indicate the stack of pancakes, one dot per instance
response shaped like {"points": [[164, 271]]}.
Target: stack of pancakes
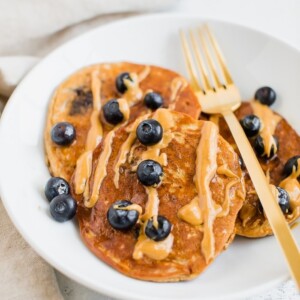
{"points": [[204, 192]]}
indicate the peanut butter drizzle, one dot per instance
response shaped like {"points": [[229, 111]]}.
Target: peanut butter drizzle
{"points": [[101, 172], [83, 171], [125, 148], [269, 123], [202, 209], [177, 85], [165, 118], [224, 170], [133, 206], [206, 167], [191, 213], [154, 250], [94, 136], [292, 186], [152, 205], [226, 205], [241, 194], [124, 108], [134, 93], [146, 246]]}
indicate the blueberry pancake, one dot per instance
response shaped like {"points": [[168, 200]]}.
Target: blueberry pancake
{"points": [[163, 197], [96, 99], [277, 146]]}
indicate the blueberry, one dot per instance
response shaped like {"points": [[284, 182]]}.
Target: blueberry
{"points": [[160, 233], [265, 95], [63, 133], [121, 219], [251, 125], [149, 132], [63, 208], [112, 113], [56, 186], [149, 172], [283, 200], [153, 100], [290, 164], [260, 148], [120, 84]]}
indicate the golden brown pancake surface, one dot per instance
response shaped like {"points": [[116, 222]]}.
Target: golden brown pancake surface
{"points": [[74, 99], [251, 221], [194, 246]]}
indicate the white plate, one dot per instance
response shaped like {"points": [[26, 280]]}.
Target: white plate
{"points": [[248, 266]]}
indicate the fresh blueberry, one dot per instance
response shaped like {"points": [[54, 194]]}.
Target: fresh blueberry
{"points": [[265, 95], [149, 132], [120, 84], [290, 165], [112, 113], [153, 100], [160, 233], [56, 186], [251, 125], [149, 172], [122, 219], [63, 208], [260, 148], [283, 200], [63, 134]]}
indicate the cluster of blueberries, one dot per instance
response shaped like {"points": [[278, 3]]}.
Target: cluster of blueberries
{"points": [[111, 109], [251, 125], [64, 133], [62, 206], [149, 173]]}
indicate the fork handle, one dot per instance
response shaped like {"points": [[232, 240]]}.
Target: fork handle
{"points": [[274, 214]]}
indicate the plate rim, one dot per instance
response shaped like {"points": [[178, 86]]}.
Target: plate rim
{"points": [[103, 289]]}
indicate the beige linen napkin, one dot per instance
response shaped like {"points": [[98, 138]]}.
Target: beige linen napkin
{"points": [[24, 275], [31, 28]]}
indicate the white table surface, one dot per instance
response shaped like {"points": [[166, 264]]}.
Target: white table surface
{"points": [[279, 18]]}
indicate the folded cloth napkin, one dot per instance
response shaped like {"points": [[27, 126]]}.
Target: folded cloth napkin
{"points": [[28, 29], [24, 275]]}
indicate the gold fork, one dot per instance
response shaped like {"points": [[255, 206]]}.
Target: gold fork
{"points": [[221, 96]]}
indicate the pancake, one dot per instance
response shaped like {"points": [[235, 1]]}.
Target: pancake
{"points": [[200, 193], [251, 221], [79, 99]]}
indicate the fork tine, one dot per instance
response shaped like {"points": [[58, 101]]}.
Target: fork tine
{"points": [[201, 66], [189, 62], [212, 67], [219, 55]]}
